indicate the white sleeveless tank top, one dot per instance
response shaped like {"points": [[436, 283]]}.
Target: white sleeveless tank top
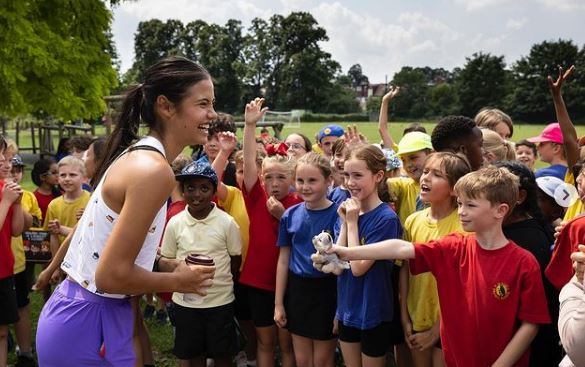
{"points": [[95, 227]]}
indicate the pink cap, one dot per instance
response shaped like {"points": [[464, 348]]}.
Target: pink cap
{"points": [[552, 132]]}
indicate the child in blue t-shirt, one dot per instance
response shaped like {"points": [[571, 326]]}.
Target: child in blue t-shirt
{"points": [[364, 293], [308, 310]]}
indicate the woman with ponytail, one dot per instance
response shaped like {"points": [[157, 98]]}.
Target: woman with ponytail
{"points": [[496, 148], [110, 254]]}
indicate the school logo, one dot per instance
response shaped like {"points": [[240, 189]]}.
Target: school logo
{"points": [[501, 291]]}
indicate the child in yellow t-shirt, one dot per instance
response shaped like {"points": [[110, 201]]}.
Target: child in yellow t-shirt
{"points": [[62, 213], [419, 298]]}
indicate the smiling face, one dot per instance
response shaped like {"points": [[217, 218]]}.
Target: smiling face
{"points": [[310, 184], [434, 182], [192, 116], [277, 179], [198, 192], [525, 155], [296, 146], [413, 163], [6, 168], [359, 180]]}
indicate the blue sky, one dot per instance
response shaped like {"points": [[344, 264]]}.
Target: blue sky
{"points": [[385, 35]]}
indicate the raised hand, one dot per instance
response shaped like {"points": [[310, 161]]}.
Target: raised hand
{"points": [[393, 92], [254, 111], [557, 85], [353, 137], [227, 141]]}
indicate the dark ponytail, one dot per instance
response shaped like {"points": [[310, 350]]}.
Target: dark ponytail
{"points": [[171, 77]]}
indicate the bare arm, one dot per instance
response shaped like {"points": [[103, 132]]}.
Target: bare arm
{"points": [[358, 267], [142, 195], [17, 225], [253, 114], [403, 295], [281, 283], [383, 119], [570, 139], [227, 143], [383, 250], [517, 345]]}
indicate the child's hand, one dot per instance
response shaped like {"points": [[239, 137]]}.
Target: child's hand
{"points": [[352, 210], [556, 86], [342, 252], [194, 278], [579, 263], [425, 339], [227, 141], [393, 92], [254, 112], [354, 138], [11, 192], [54, 226], [279, 316], [558, 230], [79, 213], [275, 207], [407, 328], [341, 210]]}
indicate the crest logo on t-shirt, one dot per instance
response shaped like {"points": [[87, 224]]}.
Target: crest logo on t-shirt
{"points": [[501, 291]]}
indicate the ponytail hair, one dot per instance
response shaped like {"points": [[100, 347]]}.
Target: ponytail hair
{"points": [[171, 77], [493, 143]]}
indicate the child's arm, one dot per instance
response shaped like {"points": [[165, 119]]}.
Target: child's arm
{"points": [[342, 237], [570, 139], [517, 345], [383, 119], [383, 250], [17, 225], [45, 276], [252, 115], [227, 144], [403, 295], [352, 211], [10, 195], [281, 282]]}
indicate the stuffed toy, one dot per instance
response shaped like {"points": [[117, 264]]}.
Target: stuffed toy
{"points": [[322, 261]]}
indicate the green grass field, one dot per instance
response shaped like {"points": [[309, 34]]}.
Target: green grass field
{"points": [[162, 335]]}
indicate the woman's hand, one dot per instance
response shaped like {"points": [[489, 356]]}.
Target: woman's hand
{"points": [[194, 278]]}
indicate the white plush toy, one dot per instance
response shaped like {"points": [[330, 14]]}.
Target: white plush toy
{"points": [[322, 261]]}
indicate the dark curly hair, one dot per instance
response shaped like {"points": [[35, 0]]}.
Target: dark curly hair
{"points": [[223, 122], [528, 184], [450, 131]]}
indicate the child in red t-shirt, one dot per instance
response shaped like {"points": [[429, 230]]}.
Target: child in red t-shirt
{"points": [[266, 201], [490, 290]]}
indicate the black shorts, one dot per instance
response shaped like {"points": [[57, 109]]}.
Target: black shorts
{"points": [[242, 303], [261, 306], [21, 284], [374, 341], [8, 305], [310, 306], [205, 331]]}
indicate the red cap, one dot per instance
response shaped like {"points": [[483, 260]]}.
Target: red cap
{"points": [[552, 132]]}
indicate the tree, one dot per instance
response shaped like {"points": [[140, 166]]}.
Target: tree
{"points": [[530, 99], [442, 100], [257, 57], [411, 101], [483, 81], [357, 76], [340, 97], [54, 58]]}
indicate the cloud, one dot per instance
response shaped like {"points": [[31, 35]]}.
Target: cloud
{"points": [[516, 24], [564, 5], [480, 4]]}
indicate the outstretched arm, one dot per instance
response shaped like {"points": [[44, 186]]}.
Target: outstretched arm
{"points": [[383, 250], [383, 119], [570, 138], [252, 115]]}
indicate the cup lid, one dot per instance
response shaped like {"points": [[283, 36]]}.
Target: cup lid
{"points": [[196, 259]]}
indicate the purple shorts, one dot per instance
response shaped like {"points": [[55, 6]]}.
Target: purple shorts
{"points": [[75, 323]]}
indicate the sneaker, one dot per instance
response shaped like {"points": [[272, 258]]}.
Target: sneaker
{"points": [[241, 360], [161, 316], [25, 361], [148, 311]]}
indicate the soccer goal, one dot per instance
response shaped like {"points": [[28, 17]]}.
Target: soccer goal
{"points": [[291, 119]]}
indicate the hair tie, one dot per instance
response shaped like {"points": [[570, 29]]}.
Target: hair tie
{"points": [[278, 149]]}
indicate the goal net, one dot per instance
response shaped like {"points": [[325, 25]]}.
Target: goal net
{"points": [[290, 119]]}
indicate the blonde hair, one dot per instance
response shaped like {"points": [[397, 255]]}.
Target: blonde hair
{"points": [[287, 161], [502, 149], [239, 157], [316, 160], [491, 117], [73, 162], [496, 185], [11, 147], [454, 165]]}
